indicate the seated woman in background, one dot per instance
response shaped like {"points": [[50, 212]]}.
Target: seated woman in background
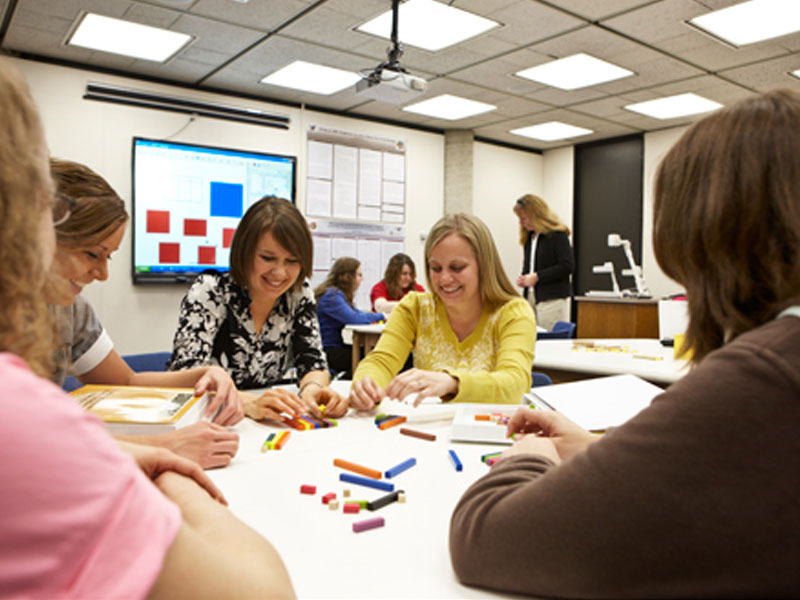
{"points": [[85, 243], [249, 321], [547, 260], [335, 310], [473, 336], [692, 497], [399, 279], [80, 519]]}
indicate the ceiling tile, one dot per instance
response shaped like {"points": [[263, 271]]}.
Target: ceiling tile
{"points": [[767, 75], [261, 15]]}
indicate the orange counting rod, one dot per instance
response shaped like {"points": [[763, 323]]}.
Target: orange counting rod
{"points": [[282, 437], [366, 471], [392, 423]]}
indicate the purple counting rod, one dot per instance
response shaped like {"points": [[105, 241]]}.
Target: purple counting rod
{"points": [[368, 524]]}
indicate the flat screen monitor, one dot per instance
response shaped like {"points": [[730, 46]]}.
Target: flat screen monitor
{"points": [[188, 199]]}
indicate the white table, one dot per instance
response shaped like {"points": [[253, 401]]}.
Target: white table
{"points": [[407, 558], [567, 360], [363, 335]]}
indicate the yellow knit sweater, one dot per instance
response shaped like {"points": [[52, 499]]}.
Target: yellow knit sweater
{"points": [[493, 364]]}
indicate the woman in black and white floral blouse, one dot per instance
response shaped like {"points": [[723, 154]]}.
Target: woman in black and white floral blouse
{"points": [[251, 319]]}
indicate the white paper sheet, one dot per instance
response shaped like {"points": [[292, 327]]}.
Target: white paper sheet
{"points": [[318, 198], [320, 160], [600, 403]]}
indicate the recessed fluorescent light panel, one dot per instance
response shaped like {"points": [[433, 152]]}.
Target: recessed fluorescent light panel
{"points": [[449, 107], [552, 131], [752, 21], [106, 34], [421, 23], [670, 107], [574, 72], [310, 77]]}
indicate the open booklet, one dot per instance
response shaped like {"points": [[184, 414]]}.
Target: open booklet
{"points": [[128, 410]]}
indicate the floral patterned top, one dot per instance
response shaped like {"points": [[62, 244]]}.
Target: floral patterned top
{"points": [[215, 328]]}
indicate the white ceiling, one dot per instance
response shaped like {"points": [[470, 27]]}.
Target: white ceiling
{"points": [[236, 44]]}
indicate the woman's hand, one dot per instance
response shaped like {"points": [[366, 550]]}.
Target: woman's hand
{"points": [[365, 394], [154, 461], [225, 395], [272, 403], [208, 444], [567, 438], [335, 404], [528, 280], [426, 384], [533, 444]]}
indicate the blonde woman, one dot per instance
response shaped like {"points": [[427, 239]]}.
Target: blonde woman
{"points": [[472, 335], [85, 243], [80, 518], [547, 263]]}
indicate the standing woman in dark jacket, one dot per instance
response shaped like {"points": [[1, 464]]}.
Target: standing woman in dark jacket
{"points": [[547, 263]]}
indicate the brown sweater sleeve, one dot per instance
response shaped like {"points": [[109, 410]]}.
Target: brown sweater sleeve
{"points": [[695, 497]]}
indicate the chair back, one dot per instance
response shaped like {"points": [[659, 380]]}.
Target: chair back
{"points": [[540, 379], [149, 361], [562, 330]]}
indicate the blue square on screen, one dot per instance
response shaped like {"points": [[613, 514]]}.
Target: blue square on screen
{"points": [[227, 199]]}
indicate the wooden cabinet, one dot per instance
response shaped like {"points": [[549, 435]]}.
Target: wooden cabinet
{"points": [[617, 317]]}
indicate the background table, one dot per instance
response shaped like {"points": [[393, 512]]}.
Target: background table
{"points": [[601, 317], [364, 336], [407, 558], [567, 360]]}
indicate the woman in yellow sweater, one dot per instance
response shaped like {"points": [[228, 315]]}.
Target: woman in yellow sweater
{"points": [[472, 335]]}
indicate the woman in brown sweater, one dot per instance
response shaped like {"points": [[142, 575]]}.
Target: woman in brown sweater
{"points": [[698, 495]]}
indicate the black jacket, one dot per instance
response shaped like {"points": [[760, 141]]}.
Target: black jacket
{"points": [[554, 264]]}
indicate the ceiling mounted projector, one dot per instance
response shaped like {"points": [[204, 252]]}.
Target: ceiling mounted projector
{"points": [[395, 87], [389, 81]]}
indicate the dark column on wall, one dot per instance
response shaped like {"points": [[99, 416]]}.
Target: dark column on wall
{"points": [[608, 199]]}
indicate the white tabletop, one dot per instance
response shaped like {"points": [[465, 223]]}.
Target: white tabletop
{"points": [[407, 558], [370, 328], [646, 358]]}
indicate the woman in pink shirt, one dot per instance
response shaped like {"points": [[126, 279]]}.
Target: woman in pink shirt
{"points": [[81, 518]]}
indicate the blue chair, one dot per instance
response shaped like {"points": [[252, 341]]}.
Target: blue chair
{"points": [[540, 379], [562, 330], [149, 361]]}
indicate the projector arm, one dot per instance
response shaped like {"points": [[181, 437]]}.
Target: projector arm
{"points": [[394, 53], [634, 271]]}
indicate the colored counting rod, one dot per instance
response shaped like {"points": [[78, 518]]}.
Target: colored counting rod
{"points": [[391, 423], [456, 462], [418, 434], [378, 485], [397, 469], [368, 524], [384, 500], [366, 471]]}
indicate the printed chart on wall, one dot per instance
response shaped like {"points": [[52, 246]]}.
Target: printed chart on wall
{"points": [[355, 202], [372, 244], [355, 177]]}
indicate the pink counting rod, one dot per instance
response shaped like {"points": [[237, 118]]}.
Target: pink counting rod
{"points": [[368, 524]]}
